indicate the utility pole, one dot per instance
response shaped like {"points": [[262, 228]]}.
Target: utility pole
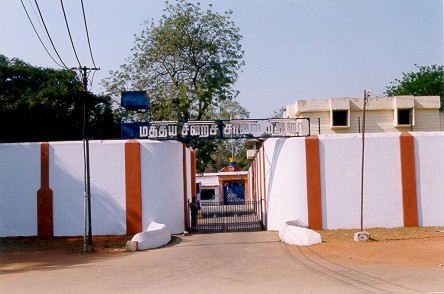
{"points": [[87, 242], [363, 235]]}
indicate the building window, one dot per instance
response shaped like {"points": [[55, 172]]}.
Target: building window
{"points": [[207, 194], [404, 116], [340, 118]]}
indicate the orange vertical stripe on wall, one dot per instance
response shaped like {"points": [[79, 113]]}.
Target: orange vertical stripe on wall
{"points": [[408, 180], [193, 173], [264, 191], [185, 186], [45, 222], [313, 173], [133, 187]]}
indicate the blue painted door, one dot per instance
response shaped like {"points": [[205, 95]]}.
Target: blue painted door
{"points": [[234, 192]]}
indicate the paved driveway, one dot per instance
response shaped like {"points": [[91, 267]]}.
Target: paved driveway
{"points": [[254, 262]]}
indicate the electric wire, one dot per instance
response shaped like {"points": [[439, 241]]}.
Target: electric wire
{"points": [[40, 23], [87, 34], [91, 80], [69, 33], [32, 24], [49, 36]]}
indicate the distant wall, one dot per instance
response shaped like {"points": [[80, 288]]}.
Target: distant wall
{"points": [[159, 192], [402, 180]]}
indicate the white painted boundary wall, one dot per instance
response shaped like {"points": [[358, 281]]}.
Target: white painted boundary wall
{"points": [[285, 181], [429, 159], [340, 158], [340, 174], [161, 178], [19, 182], [107, 171], [162, 184]]}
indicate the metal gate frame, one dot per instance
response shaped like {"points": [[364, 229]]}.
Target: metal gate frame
{"points": [[234, 216]]}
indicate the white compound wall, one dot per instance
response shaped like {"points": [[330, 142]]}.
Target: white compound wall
{"points": [[429, 159], [19, 182], [318, 184], [394, 193], [285, 181], [164, 168]]}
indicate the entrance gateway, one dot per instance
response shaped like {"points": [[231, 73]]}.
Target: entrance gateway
{"points": [[227, 217], [232, 212]]}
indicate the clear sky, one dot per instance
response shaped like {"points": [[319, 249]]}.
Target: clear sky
{"points": [[294, 49]]}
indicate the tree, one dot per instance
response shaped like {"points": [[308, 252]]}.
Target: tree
{"points": [[278, 113], [427, 81], [42, 104], [189, 61], [215, 155]]}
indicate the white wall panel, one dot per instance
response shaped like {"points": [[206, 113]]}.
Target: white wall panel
{"points": [[429, 165], [341, 158], [19, 182], [108, 211], [162, 184], [66, 182], [285, 181]]}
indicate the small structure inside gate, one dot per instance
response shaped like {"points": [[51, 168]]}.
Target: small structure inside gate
{"points": [[224, 203]]}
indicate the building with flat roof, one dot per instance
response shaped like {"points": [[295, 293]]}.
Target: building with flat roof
{"points": [[383, 114]]}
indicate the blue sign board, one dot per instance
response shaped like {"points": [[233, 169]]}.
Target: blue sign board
{"points": [[217, 129], [135, 100]]}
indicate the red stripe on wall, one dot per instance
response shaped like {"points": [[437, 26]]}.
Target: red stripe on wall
{"points": [[185, 187], [408, 180], [264, 191], [133, 187], [45, 222], [193, 173], [313, 173]]}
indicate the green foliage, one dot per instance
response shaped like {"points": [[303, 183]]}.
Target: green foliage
{"points": [[427, 81], [219, 158], [278, 113], [41, 104], [189, 61], [214, 155]]}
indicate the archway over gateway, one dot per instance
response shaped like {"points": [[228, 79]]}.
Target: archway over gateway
{"points": [[236, 207]]}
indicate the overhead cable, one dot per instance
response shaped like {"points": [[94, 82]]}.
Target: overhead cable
{"points": [[40, 23], [49, 36], [27, 14], [69, 33], [87, 34]]}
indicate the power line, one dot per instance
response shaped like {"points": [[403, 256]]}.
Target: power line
{"points": [[49, 36], [69, 33], [40, 22], [87, 34], [27, 14], [89, 44]]}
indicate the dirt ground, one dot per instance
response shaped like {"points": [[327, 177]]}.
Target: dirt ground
{"points": [[414, 247], [410, 247]]}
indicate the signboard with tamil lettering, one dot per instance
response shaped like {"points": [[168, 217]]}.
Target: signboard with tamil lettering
{"points": [[217, 129]]}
